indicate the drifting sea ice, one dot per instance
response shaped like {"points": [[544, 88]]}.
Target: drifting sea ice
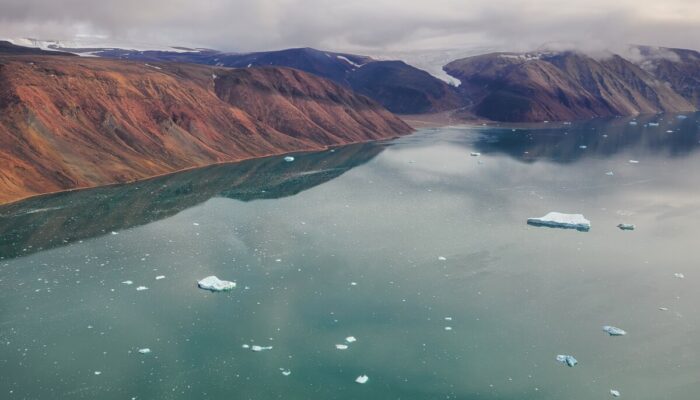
{"points": [[128, 282], [289, 159], [341, 346], [159, 277], [626, 227], [145, 350], [609, 173], [561, 220], [141, 288], [615, 393], [567, 360], [350, 339], [362, 379], [215, 284], [679, 275], [614, 331], [257, 348], [475, 154], [633, 161]]}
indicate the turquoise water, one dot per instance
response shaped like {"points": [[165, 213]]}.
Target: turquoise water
{"points": [[389, 242]]}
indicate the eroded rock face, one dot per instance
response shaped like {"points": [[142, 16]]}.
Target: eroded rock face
{"points": [[559, 86], [69, 122]]}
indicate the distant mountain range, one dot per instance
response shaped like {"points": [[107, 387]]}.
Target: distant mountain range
{"points": [[571, 85], [115, 115]]}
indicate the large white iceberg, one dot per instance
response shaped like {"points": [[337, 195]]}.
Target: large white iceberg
{"points": [[561, 220], [567, 360], [215, 284], [614, 331]]}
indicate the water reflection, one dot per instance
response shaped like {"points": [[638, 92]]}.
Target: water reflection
{"points": [[45, 222], [674, 136]]}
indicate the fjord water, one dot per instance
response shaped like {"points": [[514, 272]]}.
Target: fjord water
{"points": [[348, 242]]}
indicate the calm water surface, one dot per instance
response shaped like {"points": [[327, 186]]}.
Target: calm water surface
{"points": [[350, 242]]}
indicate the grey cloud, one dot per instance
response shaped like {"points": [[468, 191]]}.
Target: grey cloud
{"points": [[245, 25]]}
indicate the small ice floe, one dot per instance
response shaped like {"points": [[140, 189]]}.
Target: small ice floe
{"points": [[448, 328], [669, 131], [285, 372], [289, 159], [653, 124], [679, 275], [561, 220], [567, 360], [362, 379], [145, 350], [159, 277], [115, 233], [353, 283], [351, 339], [441, 258], [257, 348], [448, 318], [341, 346], [626, 227], [195, 223], [633, 123], [634, 161], [475, 154], [663, 308], [615, 393], [128, 282], [681, 116], [609, 173], [246, 346], [583, 147], [98, 372], [141, 288], [614, 331], [215, 284]]}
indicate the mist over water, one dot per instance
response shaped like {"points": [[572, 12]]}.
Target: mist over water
{"points": [[389, 242]]}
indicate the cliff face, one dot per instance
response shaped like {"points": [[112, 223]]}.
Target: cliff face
{"points": [[69, 122], [561, 86], [679, 68]]}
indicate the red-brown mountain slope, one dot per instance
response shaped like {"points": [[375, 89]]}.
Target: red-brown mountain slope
{"points": [[69, 122]]}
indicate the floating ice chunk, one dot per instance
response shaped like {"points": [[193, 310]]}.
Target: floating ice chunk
{"points": [[681, 116], [609, 173], [567, 360], [350, 339], [215, 284], [448, 328], [626, 227], [98, 372], [633, 122], [246, 346], [653, 124], [145, 350], [475, 154], [441, 258], [289, 159], [128, 282], [560, 220], [679, 275], [286, 372], [613, 331], [362, 379], [634, 162], [195, 223], [140, 288], [159, 277], [448, 318], [615, 393], [257, 348], [583, 147], [341, 346], [669, 131], [663, 308], [115, 233], [353, 283]]}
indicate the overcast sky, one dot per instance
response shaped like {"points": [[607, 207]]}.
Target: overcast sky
{"points": [[246, 25]]}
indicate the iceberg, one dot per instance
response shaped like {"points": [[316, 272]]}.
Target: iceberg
{"points": [[350, 339], [561, 220], [141, 288], [609, 173], [615, 393], [613, 331], [362, 379], [145, 351], [566, 359], [475, 154], [634, 161], [289, 159], [257, 348], [215, 284], [626, 227]]}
